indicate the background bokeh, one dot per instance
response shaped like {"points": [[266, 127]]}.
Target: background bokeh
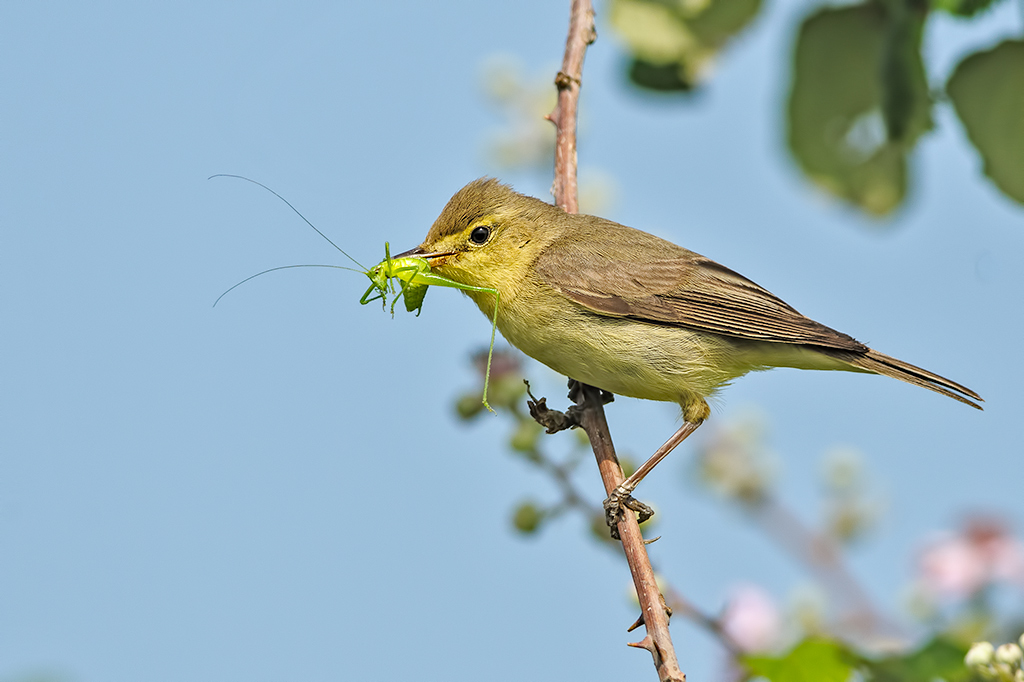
{"points": [[278, 488]]}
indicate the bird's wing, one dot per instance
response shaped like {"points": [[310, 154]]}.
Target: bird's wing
{"points": [[622, 272]]}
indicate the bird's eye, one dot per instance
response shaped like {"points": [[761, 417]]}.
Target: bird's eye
{"points": [[479, 234]]}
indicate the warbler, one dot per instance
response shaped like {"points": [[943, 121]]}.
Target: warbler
{"points": [[630, 313]]}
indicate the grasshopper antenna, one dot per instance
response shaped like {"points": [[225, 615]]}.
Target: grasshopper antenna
{"points": [[297, 212], [285, 267]]}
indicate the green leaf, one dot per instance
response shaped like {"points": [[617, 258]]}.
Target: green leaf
{"points": [[469, 406], [962, 8], [527, 518], [939, 659], [673, 42], [987, 89], [859, 101], [671, 77], [904, 85], [524, 439], [813, 660]]}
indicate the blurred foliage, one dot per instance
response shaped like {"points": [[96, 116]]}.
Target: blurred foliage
{"points": [[526, 140], [987, 90], [851, 510], [813, 660], [823, 660], [527, 517], [673, 43], [859, 101], [962, 8], [735, 464], [939, 659], [859, 98]]}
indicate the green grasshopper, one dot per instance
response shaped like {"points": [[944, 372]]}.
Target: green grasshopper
{"points": [[408, 271], [413, 274]]}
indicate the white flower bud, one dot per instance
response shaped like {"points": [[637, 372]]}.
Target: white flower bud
{"points": [[1010, 654], [1018, 676], [979, 655]]}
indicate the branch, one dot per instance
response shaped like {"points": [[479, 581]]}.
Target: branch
{"points": [[653, 610], [568, 82], [572, 498], [591, 416]]}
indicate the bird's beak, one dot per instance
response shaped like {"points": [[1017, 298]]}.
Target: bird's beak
{"points": [[429, 256]]}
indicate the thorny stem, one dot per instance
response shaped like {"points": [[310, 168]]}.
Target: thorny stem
{"points": [[652, 605], [572, 498], [658, 640]]}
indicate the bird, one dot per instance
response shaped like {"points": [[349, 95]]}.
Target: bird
{"points": [[631, 313]]}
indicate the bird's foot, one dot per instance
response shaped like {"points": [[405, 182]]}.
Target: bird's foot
{"points": [[553, 421], [576, 394], [619, 500]]}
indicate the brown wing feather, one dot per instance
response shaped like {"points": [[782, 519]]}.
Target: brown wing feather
{"points": [[622, 272], [629, 273]]}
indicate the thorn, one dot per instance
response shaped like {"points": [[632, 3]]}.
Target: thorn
{"points": [[652, 540], [638, 623], [645, 643]]}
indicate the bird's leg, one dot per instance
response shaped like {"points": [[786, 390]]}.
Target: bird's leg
{"points": [[622, 495]]}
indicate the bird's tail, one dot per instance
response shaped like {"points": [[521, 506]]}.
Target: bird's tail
{"points": [[879, 363]]}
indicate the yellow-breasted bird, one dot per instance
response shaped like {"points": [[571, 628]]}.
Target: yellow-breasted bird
{"points": [[630, 313]]}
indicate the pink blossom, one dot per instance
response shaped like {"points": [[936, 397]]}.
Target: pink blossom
{"points": [[983, 552], [751, 619]]}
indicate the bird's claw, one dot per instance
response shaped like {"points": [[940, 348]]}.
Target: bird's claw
{"points": [[553, 421], [620, 499]]}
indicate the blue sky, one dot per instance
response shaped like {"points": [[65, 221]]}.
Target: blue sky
{"points": [[277, 488]]}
